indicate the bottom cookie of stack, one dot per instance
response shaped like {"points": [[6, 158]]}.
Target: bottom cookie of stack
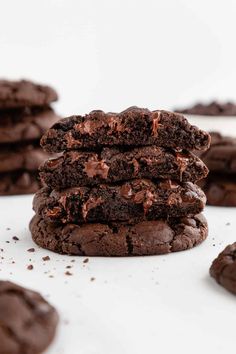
{"points": [[120, 239]]}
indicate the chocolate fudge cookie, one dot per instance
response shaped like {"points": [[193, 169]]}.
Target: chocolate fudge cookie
{"points": [[131, 201], [211, 109], [223, 269], [134, 126], [76, 168], [25, 123], [21, 156], [220, 190], [117, 239], [25, 93], [27, 322], [19, 182], [221, 157]]}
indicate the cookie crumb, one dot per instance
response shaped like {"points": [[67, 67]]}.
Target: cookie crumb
{"points": [[30, 267], [15, 238], [31, 250], [86, 260], [46, 258], [92, 279], [68, 273], [8, 228], [68, 267], [227, 224]]}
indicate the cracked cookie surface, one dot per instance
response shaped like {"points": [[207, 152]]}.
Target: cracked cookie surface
{"points": [[27, 322], [120, 239]]}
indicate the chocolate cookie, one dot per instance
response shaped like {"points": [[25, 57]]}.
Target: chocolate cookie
{"points": [[21, 156], [134, 126], [25, 93], [211, 109], [25, 123], [220, 190], [221, 156], [117, 239], [19, 182], [27, 322], [223, 269], [131, 201], [76, 168]]}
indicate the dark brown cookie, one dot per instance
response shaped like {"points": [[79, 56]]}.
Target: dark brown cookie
{"points": [[25, 124], [211, 109], [220, 190], [223, 269], [221, 156], [77, 168], [27, 322], [25, 93], [134, 126], [133, 201], [19, 182], [21, 157], [117, 239]]}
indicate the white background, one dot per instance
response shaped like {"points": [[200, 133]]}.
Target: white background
{"points": [[110, 55]]}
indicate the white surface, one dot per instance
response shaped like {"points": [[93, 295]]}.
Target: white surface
{"points": [[111, 54], [225, 125], [163, 304]]}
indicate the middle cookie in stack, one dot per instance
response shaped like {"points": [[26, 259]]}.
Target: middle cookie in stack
{"points": [[123, 186]]}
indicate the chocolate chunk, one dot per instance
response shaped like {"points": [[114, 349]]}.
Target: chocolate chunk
{"points": [[131, 201], [223, 269], [77, 168], [134, 126], [120, 239], [27, 322]]}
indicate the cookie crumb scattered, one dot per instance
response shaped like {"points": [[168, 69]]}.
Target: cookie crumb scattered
{"points": [[92, 279], [31, 250], [46, 258], [68, 273], [30, 267], [86, 260], [68, 267], [15, 238], [227, 224]]}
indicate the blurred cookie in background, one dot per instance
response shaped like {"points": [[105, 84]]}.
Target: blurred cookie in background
{"points": [[220, 184], [25, 115]]}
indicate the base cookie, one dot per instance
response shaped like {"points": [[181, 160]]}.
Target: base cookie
{"points": [[117, 239]]}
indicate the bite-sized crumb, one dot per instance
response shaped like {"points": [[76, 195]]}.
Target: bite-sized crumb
{"points": [[86, 260], [15, 238], [30, 267], [31, 250], [92, 279], [68, 273], [46, 258], [68, 267]]}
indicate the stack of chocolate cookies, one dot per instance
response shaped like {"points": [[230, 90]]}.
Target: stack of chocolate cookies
{"points": [[25, 115], [123, 186]]}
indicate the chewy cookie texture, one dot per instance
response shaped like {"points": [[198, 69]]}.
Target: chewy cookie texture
{"points": [[124, 185], [110, 165], [134, 126], [25, 114], [213, 108], [27, 322], [220, 184]]}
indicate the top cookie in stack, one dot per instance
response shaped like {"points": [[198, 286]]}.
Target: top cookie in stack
{"points": [[123, 186], [25, 114]]}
